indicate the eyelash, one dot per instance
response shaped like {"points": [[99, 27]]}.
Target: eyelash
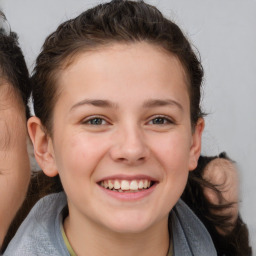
{"points": [[99, 121], [166, 120], [89, 121]]}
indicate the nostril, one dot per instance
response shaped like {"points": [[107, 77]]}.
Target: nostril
{"points": [[121, 159], [130, 160]]}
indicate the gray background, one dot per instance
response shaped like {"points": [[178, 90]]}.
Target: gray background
{"points": [[224, 31]]}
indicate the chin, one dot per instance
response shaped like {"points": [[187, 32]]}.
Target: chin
{"points": [[129, 224], [129, 229]]}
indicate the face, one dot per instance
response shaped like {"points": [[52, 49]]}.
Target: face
{"points": [[122, 141], [14, 161]]}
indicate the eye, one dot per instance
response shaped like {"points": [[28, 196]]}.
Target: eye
{"points": [[95, 121], [160, 120]]}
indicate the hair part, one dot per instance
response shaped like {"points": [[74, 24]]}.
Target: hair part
{"points": [[114, 22]]}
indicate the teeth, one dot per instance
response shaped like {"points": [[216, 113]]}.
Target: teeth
{"points": [[105, 184], [141, 184], [125, 185], [110, 184], [134, 185], [117, 185]]}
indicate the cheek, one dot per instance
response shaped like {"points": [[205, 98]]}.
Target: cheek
{"points": [[173, 155], [172, 150], [14, 159], [77, 158], [79, 155], [13, 187], [16, 174]]}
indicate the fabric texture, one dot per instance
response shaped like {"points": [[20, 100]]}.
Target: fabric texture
{"points": [[40, 233]]}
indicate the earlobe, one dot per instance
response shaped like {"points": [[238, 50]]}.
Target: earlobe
{"points": [[43, 148], [195, 149]]}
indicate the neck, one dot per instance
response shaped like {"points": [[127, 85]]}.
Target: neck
{"points": [[89, 238]]}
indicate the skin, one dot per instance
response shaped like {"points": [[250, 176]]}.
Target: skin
{"points": [[128, 141], [14, 161]]}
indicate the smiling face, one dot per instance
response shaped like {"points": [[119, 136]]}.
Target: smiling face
{"points": [[14, 161], [122, 141]]}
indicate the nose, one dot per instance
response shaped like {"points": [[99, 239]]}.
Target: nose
{"points": [[129, 147]]}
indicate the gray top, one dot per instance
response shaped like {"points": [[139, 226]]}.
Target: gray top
{"points": [[40, 233]]}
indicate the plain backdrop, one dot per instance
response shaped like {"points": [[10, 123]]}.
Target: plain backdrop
{"points": [[224, 32]]}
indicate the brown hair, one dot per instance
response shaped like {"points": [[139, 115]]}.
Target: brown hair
{"points": [[115, 22]]}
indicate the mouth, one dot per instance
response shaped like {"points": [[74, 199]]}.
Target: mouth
{"points": [[127, 186]]}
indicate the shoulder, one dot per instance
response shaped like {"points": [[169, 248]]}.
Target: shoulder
{"points": [[40, 234], [190, 237]]}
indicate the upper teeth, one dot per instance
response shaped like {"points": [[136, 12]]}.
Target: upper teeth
{"points": [[126, 184]]}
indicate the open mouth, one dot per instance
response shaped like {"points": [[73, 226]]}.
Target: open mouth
{"points": [[127, 186]]}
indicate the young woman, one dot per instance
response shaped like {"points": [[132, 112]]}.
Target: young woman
{"points": [[14, 92], [117, 101]]}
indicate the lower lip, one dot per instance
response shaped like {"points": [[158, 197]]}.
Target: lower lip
{"points": [[127, 196]]}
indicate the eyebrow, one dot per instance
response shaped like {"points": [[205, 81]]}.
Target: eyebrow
{"points": [[108, 104], [159, 103], [95, 102]]}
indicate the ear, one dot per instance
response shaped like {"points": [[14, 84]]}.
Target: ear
{"points": [[43, 147], [195, 149]]}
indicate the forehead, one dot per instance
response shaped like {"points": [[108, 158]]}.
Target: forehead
{"points": [[12, 115], [141, 61], [6, 91], [8, 94], [6, 99]]}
